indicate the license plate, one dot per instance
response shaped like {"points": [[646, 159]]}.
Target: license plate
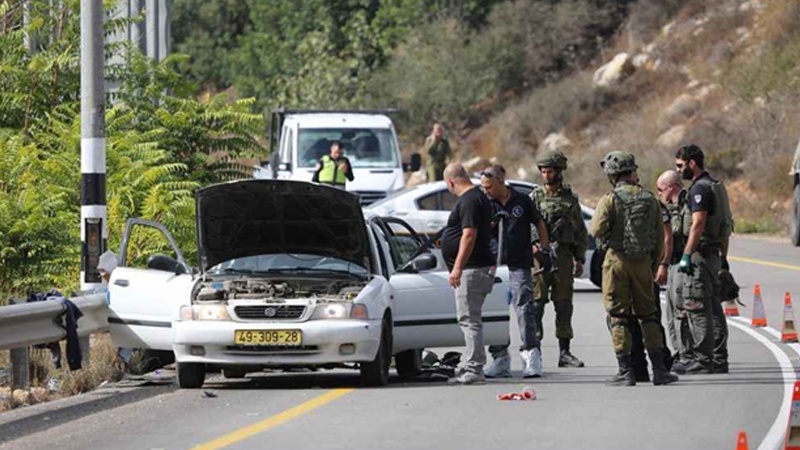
{"points": [[268, 337]]}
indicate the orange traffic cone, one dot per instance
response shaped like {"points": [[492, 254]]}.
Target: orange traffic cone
{"points": [[741, 441], [731, 308], [792, 441], [759, 318], [788, 333]]}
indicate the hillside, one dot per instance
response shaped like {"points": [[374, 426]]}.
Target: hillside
{"points": [[719, 73]]}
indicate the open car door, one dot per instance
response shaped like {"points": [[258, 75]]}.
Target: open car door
{"points": [[147, 289], [424, 307]]}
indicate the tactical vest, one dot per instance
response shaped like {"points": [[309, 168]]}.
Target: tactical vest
{"points": [[637, 209], [680, 225], [330, 173], [719, 221], [556, 211]]}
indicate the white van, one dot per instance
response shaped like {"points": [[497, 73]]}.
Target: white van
{"points": [[367, 137]]}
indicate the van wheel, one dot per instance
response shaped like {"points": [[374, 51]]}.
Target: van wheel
{"points": [[376, 372], [796, 216], [191, 375], [408, 362], [596, 267]]}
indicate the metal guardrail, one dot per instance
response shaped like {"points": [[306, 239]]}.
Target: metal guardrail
{"points": [[26, 324]]}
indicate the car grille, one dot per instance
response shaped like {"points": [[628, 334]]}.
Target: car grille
{"points": [[369, 197], [273, 348], [270, 312]]}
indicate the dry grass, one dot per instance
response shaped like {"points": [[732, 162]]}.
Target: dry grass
{"points": [[104, 366]]}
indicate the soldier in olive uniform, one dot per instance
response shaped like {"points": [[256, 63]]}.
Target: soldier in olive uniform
{"points": [[562, 215], [628, 225], [438, 151], [707, 226]]}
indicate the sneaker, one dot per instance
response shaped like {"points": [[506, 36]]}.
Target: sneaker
{"points": [[500, 367], [680, 366], [532, 363], [468, 378], [567, 359]]}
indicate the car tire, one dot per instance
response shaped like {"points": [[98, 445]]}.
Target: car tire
{"points": [[230, 372], [191, 375], [408, 362], [376, 372], [596, 267], [796, 216]]}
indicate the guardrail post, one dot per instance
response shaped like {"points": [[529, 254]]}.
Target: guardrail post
{"points": [[20, 368], [85, 351]]}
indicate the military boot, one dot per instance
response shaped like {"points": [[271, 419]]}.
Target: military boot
{"points": [[660, 373], [625, 375]]}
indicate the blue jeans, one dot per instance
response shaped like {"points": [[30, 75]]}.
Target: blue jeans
{"points": [[521, 290]]}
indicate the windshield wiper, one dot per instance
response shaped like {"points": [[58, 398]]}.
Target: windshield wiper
{"points": [[236, 271], [315, 269]]}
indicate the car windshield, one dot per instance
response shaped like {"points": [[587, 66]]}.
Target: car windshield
{"points": [[287, 262], [364, 147]]}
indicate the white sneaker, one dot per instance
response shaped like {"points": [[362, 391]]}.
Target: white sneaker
{"points": [[500, 367], [531, 363]]}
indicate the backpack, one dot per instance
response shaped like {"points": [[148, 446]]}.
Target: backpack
{"points": [[719, 224], [638, 215]]}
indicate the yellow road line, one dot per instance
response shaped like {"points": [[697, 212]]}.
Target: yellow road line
{"points": [[763, 263], [273, 421]]}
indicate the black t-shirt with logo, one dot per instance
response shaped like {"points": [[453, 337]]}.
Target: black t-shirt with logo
{"points": [[472, 210], [700, 195], [517, 245]]}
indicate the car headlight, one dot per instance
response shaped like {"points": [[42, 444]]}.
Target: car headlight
{"points": [[340, 311], [205, 312]]}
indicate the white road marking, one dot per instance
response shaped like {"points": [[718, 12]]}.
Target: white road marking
{"points": [[775, 435]]}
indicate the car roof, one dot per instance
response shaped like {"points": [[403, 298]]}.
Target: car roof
{"points": [[340, 120]]}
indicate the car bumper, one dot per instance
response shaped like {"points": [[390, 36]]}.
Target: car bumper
{"points": [[322, 340]]}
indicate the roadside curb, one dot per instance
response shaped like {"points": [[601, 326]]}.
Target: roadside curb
{"points": [[20, 422]]}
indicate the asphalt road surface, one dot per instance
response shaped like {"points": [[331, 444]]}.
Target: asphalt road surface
{"points": [[573, 409]]}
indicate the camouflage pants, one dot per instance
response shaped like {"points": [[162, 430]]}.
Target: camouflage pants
{"points": [[628, 290], [699, 295], [556, 287], [436, 171]]}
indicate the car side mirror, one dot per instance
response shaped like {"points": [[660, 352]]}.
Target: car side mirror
{"points": [[415, 164], [166, 264], [421, 263]]}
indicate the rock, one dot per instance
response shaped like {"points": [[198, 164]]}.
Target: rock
{"points": [[555, 141], [650, 48], [667, 29], [752, 5], [640, 60], [707, 90], [692, 84], [21, 397], [672, 138], [683, 106], [720, 54], [522, 174], [760, 101], [39, 394], [614, 71], [476, 164]]}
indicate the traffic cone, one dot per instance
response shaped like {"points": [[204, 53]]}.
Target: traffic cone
{"points": [[792, 440], [741, 441], [759, 318], [788, 333], [731, 308]]}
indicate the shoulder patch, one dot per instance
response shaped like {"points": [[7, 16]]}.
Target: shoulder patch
{"points": [[698, 198], [517, 211]]}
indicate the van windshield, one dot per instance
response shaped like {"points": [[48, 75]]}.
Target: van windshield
{"points": [[364, 147]]}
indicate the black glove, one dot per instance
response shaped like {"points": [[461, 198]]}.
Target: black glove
{"points": [[545, 260]]}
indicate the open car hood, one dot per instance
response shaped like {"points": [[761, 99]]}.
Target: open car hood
{"points": [[257, 217]]}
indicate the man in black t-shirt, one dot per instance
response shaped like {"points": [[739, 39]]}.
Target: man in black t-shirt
{"points": [[466, 249], [519, 216]]}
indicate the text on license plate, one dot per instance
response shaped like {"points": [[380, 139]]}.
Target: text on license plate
{"points": [[268, 337]]}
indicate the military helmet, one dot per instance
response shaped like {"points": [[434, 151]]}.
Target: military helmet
{"points": [[618, 162], [554, 159]]}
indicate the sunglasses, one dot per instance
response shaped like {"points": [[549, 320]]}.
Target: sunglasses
{"points": [[487, 174]]}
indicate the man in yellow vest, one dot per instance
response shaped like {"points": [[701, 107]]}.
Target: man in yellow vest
{"points": [[334, 169]]}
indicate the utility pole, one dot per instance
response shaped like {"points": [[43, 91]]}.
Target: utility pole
{"points": [[94, 231]]}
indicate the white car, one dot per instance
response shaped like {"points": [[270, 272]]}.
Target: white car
{"points": [[291, 274], [426, 207]]}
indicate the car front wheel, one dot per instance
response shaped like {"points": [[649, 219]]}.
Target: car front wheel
{"points": [[796, 216], [191, 375], [376, 372]]}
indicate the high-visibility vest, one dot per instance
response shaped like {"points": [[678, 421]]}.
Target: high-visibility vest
{"points": [[330, 173]]}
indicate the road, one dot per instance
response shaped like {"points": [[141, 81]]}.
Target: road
{"points": [[574, 408]]}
